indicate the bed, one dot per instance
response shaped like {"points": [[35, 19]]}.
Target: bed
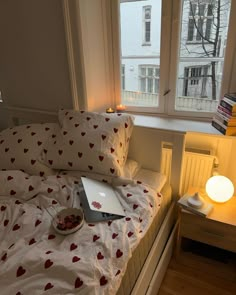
{"points": [[126, 256]]}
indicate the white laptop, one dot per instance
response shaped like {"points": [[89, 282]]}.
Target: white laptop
{"points": [[99, 201]]}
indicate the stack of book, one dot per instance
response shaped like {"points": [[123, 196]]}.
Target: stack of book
{"points": [[224, 119]]}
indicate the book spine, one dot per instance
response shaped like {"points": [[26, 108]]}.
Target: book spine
{"points": [[224, 120], [231, 96], [226, 111], [226, 105], [218, 127]]}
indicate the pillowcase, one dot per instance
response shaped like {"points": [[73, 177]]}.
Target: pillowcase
{"points": [[18, 184], [130, 169], [21, 146], [156, 180], [88, 141]]}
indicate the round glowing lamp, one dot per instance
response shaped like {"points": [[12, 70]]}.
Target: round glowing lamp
{"points": [[219, 188]]}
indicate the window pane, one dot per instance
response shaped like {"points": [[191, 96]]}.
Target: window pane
{"points": [[200, 63], [140, 25]]}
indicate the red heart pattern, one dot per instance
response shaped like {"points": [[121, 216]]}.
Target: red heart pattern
{"points": [[48, 263], [78, 283], [20, 271], [48, 286]]}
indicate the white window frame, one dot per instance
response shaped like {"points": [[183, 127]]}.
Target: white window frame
{"points": [[145, 22], [170, 34]]}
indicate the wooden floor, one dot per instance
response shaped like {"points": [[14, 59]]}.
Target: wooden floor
{"points": [[193, 274]]}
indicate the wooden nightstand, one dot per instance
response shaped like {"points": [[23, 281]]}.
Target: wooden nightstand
{"points": [[218, 229]]}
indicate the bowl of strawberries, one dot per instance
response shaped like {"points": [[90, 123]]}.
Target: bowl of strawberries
{"points": [[68, 221]]}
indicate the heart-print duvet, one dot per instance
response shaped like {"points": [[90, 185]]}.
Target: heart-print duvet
{"points": [[34, 259]]}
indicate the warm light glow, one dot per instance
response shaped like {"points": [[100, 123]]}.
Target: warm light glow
{"points": [[120, 107], [219, 188], [109, 110]]}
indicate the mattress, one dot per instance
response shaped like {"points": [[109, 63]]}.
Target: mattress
{"points": [[141, 252]]}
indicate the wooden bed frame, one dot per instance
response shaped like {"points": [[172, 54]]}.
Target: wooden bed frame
{"points": [[145, 147]]}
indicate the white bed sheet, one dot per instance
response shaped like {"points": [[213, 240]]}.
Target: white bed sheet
{"points": [[34, 258]]}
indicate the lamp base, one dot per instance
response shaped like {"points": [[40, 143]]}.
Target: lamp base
{"points": [[196, 201]]}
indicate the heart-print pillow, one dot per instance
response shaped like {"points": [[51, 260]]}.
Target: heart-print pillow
{"points": [[21, 146], [88, 141]]}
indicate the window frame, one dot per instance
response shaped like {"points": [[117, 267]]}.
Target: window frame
{"points": [[170, 33]]}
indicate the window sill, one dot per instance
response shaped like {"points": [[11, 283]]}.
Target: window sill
{"points": [[176, 125]]}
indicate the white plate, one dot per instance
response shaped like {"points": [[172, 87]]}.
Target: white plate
{"points": [[62, 214]]}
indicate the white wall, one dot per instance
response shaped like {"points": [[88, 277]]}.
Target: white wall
{"points": [[33, 57]]}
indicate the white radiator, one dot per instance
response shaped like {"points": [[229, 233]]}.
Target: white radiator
{"points": [[197, 167]]}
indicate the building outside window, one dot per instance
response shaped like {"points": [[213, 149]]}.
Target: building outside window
{"points": [[200, 20], [195, 76], [186, 67], [149, 78]]}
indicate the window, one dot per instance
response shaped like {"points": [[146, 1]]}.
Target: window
{"points": [[149, 78], [146, 25], [195, 76], [200, 20], [182, 71]]}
